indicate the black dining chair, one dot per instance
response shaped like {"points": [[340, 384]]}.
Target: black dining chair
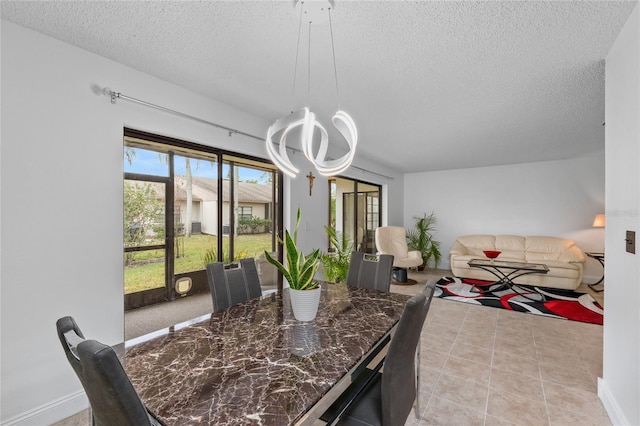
{"points": [[111, 395], [370, 271], [232, 286], [388, 396]]}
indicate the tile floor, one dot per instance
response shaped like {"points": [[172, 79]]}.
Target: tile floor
{"points": [[487, 366]]}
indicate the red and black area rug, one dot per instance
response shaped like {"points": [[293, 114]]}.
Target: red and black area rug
{"points": [[565, 304]]}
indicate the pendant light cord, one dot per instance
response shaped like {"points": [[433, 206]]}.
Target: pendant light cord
{"points": [[333, 50], [309, 69], [295, 65]]}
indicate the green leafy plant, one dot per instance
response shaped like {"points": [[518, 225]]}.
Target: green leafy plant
{"points": [[336, 262], [253, 225], [300, 269], [211, 255], [142, 212], [421, 239]]}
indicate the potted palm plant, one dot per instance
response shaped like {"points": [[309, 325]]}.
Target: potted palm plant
{"points": [[299, 272], [421, 239], [336, 263]]}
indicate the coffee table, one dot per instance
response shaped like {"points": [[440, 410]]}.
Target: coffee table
{"points": [[600, 258], [507, 272]]}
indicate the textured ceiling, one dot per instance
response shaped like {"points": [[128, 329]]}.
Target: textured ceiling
{"points": [[431, 85]]}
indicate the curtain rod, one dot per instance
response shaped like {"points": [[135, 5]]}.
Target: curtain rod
{"points": [[117, 95]]}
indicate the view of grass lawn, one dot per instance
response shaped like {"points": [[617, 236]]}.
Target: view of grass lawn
{"points": [[148, 270]]}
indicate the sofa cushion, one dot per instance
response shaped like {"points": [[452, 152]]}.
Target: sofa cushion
{"points": [[475, 244], [511, 247], [545, 248]]}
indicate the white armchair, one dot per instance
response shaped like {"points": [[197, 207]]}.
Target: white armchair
{"points": [[393, 240]]}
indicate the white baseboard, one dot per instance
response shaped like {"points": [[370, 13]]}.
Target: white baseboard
{"points": [[52, 412], [610, 404]]}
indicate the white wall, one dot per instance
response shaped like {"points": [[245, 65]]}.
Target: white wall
{"points": [[60, 140], [620, 386], [554, 198]]}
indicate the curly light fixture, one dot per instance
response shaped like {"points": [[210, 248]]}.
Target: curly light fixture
{"points": [[306, 120]]}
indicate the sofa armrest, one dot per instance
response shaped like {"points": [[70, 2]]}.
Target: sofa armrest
{"points": [[573, 255], [458, 249]]}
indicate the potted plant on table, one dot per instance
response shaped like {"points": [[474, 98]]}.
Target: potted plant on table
{"points": [[304, 291], [421, 239]]}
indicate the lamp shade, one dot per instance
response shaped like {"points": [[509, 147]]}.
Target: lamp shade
{"points": [[598, 222]]}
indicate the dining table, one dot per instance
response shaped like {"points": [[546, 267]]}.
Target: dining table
{"points": [[254, 363]]}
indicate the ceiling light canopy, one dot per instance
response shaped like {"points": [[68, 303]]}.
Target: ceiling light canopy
{"points": [[304, 122]]}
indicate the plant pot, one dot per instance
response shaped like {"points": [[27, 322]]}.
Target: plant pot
{"points": [[304, 303]]}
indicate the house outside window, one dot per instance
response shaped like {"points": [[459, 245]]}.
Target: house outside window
{"points": [[245, 213]]}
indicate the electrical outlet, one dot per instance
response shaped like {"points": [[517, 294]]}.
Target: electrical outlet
{"points": [[631, 242]]}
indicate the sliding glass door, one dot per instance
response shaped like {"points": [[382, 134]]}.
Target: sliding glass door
{"points": [[186, 206], [355, 211]]}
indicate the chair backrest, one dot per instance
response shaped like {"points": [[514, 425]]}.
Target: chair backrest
{"points": [[113, 399], [370, 271], [70, 335], [399, 376], [232, 286], [392, 240]]}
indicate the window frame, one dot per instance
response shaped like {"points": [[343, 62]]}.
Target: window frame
{"points": [[172, 147]]}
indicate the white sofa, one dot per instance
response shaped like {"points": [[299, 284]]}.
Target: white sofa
{"points": [[564, 259]]}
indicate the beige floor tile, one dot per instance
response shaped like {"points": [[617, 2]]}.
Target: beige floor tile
{"points": [[430, 358], [470, 352], [480, 314], [464, 392], [83, 418], [478, 339], [445, 323], [594, 367], [554, 330], [412, 420], [438, 338], [470, 370], [524, 366], [496, 421], [574, 400], [519, 349], [428, 381], [473, 326], [562, 417], [577, 377], [554, 355], [444, 412], [517, 384], [452, 310], [517, 409], [589, 352], [555, 342], [514, 333]]}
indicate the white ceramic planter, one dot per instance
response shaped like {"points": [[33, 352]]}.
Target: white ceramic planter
{"points": [[305, 303]]}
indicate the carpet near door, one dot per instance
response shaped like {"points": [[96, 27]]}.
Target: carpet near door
{"points": [[565, 304]]}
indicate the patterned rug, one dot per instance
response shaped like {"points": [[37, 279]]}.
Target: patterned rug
{"points": [[564, 304]]}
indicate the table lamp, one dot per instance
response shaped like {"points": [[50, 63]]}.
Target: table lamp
{"points": [[598, 222]]}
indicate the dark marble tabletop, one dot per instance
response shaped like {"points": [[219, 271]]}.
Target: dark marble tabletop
{"points": [[254, 363]]}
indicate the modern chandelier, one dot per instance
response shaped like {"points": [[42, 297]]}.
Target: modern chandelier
{"points": [[305, 121]]}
